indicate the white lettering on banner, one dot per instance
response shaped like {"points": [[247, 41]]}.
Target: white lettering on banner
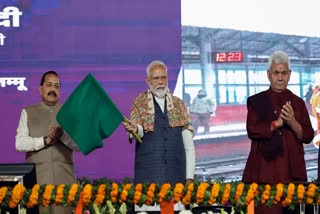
{"points": [[3, 82], [19, 81], [10, 12], [2, 37]]}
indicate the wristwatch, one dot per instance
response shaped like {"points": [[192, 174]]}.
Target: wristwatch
{"points": [[45, 141]]}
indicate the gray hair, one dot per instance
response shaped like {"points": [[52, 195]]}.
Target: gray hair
{"points": [[156, 63], [278, 57]]}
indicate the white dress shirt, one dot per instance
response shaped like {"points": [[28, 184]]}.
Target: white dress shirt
{"points": [[25, 143]]}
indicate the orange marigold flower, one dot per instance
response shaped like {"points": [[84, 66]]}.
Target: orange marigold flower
{"points": [[150, 194], [16, 195], [266, 193], [310, 193], [226, 194], [87, 194], [59, 194], [187, 198], [165, 187], [178, 192], [3, 192], [290, 192], [46, 196], [214, 193], [114, 192], [279, 193], [34, 196], [72, 193], [239, 191], [252, 192], [100, 195], [300, 193], [201, 191], [124, 194]]}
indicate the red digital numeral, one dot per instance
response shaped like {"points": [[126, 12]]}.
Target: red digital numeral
{"points": [[221, 57], [231, 57], [238, 57]]}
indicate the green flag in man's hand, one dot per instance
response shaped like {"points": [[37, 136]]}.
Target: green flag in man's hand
{"points": [[89, 115]]}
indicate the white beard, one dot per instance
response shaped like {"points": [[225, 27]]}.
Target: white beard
{"points": [[160, 93]]}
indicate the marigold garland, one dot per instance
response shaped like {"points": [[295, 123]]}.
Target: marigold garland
{"points": [[266, 194], [251, 192], [114, 192], [201, 191], [187, 198], [178, 192], [72, 194], [137, 193], [163, 192], [290, 192], [150, 194], [17, 195], [3, 192], [33, 198], [98, 196], [239, 191], [87, 194], [214, 193], [124, 194], [300, 193], [59, 194], [46, 197], [279, 193], [310, 193], [226, 194]]}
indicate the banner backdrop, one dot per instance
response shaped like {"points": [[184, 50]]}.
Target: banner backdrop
{"points": [[112, 39]]}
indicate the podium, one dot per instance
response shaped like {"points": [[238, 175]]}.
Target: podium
{"points": [[18, 173]]}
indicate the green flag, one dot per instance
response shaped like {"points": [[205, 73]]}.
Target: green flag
{"points": [[89, 115]]}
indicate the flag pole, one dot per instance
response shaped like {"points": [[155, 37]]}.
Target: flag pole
{"points": [[136, 136]]}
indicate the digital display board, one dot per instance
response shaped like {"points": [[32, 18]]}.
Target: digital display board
{"points": [[224, 57]]}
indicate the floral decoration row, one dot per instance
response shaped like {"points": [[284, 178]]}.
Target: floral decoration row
{"points": [[101, 193]]}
